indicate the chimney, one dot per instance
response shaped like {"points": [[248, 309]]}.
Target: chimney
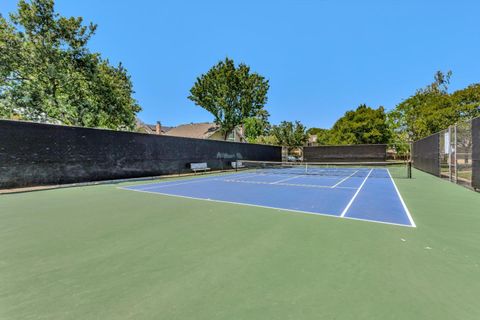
{"points": [[158, 128]]}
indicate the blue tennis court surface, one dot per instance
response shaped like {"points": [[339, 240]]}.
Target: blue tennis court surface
{"points": [[370, 196]]}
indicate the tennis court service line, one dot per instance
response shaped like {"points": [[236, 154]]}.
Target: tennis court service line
{"points": [[283, 180], [284, 184], [344, 212], [344, 179], [164, 184], [243, 175]]}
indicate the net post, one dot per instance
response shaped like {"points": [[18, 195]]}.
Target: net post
{"points": [[409, 169]]}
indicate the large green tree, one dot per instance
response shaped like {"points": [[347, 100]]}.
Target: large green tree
{"points": [[258, 126], [48, 74], [323, 135], [364, 125], [290, 134], [268, 139], [231, 94], [433, 108]]}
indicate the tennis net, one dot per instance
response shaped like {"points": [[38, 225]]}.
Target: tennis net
{"points": [[387, 169]]}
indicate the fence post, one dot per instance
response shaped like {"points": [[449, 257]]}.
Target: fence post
{"points": [[455, 149], [410, 154], [440, 152], [450, 153]]}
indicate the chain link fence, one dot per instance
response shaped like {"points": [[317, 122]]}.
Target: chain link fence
{"points": [[451, 153]]}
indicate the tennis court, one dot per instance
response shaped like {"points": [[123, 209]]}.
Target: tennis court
{"points": [[107, 252], [351, 191]]}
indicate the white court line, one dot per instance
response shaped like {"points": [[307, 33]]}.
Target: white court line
{"points": [[403, 202], [355, 195], [249, 175], [284, 184], [334, 186], [242, 176], [291, 178], [266, 207], [163, 184], [187, 181]]}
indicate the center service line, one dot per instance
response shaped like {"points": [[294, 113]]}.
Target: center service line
{"points": [[343, 179], [355, 195]]}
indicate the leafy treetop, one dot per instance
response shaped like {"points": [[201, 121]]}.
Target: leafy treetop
{"points": [[48, 74], [231, 94], [290, 134], [432, 109], [361, 126]]}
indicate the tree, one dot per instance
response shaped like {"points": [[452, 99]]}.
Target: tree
{"points": [[231, 94], [426, 112], [467, 102], [432, 109], [268, 139], [361, 126], [48, 74], [323, 135], [257, 126], [289, 134]]}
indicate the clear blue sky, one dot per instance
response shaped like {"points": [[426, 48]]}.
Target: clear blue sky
{"points": [[322, 57]]}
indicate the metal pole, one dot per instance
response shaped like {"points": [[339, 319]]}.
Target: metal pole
{"points": [[410, 154], [450, 153], [440, 152], [455, 154]]}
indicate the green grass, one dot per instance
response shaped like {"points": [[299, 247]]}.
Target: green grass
{"points": [[99, 252]]}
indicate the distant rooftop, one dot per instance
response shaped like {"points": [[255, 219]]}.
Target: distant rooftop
{"points": [[150, 128], [194, 130]]}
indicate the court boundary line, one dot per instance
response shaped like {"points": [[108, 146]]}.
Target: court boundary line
{"points": [[243, 175], [410, 218], [286, 179], [193, 179], [285, 184], [343, 180], [344, 212], [162, 184], [266, 207]]}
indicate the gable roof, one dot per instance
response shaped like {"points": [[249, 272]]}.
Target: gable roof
{"points": [[149, 128], [163, 129], [194, 130]]}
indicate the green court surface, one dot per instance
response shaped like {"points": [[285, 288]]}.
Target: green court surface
{"points": [[100, 252]]}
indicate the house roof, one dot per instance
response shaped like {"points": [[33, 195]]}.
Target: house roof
{"points": [[149, 128], [194, 130], [163, 129]]}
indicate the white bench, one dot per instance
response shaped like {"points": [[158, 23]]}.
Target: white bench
{"points": [[199, 166], [237, 165]]}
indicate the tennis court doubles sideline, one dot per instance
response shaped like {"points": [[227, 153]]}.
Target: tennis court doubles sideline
{"points": [[353, 196]]}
